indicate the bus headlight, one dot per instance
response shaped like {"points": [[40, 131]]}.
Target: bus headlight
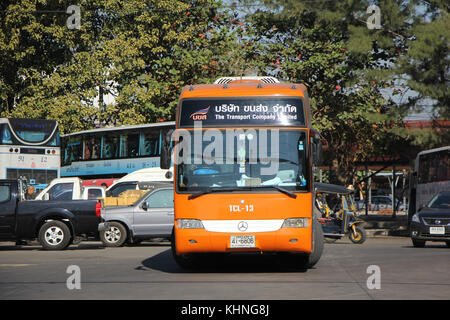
{"points": [[415, 218], [296, 223], [189, 224]]}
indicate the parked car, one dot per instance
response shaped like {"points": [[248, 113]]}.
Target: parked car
{"points": [[149, 217], [380, 203], [70, 189], [432, 223], [56, 224], [131, 181]]}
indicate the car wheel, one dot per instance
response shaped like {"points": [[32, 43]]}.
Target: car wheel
{"points": [[447, 243], [115, 235], [418, 243], [54, 235], [360, 236]]}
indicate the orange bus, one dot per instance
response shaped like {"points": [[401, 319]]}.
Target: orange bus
{"points": [[243, 157]]}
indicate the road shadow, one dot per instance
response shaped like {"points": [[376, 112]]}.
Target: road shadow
{"points": [[35, 246], [150, 244], [84, 245], [217, 263], [429, 246]]}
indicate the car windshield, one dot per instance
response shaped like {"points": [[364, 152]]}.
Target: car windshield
{"points": [[440, 201], [247, 162]]}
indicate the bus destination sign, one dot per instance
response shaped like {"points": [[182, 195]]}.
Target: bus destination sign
{"points": [[254, 112]]}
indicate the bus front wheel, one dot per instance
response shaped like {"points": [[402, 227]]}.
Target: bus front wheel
{"points": [[307, 261], [186, 261]]}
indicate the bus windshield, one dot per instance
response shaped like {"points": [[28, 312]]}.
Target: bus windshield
{"points": [[33, 130], [256, 159]]}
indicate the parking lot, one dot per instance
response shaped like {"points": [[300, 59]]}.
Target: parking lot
{"points": [[148, 271]]}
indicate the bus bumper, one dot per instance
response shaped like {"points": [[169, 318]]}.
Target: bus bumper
{"points": [[282, 240]]}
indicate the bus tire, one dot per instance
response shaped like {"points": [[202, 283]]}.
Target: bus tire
{"points": [[54, 235], [115, 235], [185, 261], [306, 261], [447, 243], [311, 259]]}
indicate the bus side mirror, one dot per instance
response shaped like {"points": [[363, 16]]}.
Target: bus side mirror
{"points": [[166, 151]]}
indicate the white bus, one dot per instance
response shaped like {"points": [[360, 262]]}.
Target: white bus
{"points": [[112, 152], [30, 148], [431, 175]]}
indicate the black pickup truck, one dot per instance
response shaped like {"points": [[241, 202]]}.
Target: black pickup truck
{"points": [[56, 224]]}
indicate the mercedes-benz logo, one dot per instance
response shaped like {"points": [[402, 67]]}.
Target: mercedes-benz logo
{"points": [[242, 226]]}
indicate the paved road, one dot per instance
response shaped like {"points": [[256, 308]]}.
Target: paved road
{"points": [[149, 272]]}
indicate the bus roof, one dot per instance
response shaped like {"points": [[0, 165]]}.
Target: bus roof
{"points": [[244, 89], [130, 127], [433, 150]]}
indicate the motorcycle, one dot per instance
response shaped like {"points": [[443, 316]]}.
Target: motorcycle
{"points": [[337, 212]]}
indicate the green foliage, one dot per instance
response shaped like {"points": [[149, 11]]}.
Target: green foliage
{"points": [[141, 52], [144, 52]]}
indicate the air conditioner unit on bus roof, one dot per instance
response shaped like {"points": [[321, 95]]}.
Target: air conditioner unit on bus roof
{"points": [[225, 80]]}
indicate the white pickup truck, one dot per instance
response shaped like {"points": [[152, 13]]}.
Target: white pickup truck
{"points": [[70, 189], [138, 180]]}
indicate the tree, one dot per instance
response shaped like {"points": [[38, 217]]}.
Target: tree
{"points": [[356, 75], [141, 52], [304, 47]]}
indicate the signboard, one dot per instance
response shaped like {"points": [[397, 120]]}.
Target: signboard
{"points": [[108, 167], [245, 112]]}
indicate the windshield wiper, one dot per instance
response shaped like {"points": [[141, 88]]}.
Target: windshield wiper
{"points": [[212, 190], [282, 190]]}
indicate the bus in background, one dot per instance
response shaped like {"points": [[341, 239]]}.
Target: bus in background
{"points": [[431, 175], [29, 148], [243, 157], [99, 155]]}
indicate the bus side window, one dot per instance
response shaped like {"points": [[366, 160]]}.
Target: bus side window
{"points": [[92, 148], [130, 145], [423, 169], [5, 134], [150, 144], [110, 147], [87, 150]]}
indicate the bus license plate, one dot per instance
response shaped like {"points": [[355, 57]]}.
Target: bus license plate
{"points": [[437, 230], [242, 241]]}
